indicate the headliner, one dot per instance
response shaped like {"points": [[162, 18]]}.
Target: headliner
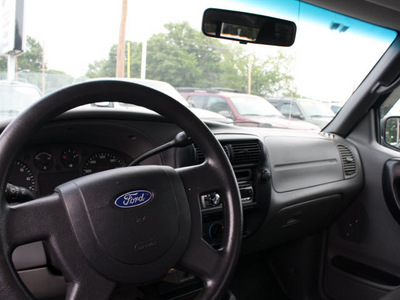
{"points": [[384, 13]]}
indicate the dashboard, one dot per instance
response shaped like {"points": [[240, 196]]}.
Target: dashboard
{"points": [[291, 183]]}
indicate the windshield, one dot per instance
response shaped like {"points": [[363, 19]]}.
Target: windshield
{"points": [[254, 106], [84, 40], [316, 109], [15, 98]]}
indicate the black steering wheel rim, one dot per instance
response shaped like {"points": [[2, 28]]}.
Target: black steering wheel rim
{"points": [[21, 129]]}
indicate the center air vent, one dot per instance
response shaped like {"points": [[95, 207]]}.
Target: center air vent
{"points": [[245, 152], [239, 152], [348, 161]]}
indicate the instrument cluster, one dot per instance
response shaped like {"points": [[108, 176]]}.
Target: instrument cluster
{"points": [[43, 167]]}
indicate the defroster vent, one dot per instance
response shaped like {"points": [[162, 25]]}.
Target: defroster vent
{"points": [[348, 161]]}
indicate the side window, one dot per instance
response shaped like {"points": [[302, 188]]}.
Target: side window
{"points": [[285, 109], [288, 109], [389, 115]]}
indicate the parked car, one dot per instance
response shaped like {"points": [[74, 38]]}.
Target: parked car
{"points": [[232, 213], [15, 96], [166, 88], [309, 110], [244, 109]]}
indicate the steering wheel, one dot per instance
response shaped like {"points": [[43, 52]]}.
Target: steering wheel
{"points": [[92, 236]]}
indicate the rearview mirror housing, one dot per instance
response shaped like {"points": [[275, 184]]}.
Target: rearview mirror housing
{"points": [[248, 28]]}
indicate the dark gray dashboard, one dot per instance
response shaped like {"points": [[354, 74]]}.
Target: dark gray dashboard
{"points": [[291, 183], [314, 177]]}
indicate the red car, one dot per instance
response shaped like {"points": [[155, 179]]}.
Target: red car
{"points": [[243, 109]]}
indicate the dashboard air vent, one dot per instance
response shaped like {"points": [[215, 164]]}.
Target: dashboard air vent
{"points": [[239, 152], [200, 155], [348, 161], [245, 152]]}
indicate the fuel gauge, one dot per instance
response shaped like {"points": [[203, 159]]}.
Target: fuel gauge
{"points": [[70, 158]]}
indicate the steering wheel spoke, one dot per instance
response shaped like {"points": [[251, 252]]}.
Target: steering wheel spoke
{"points": [[204, 267], [200, 179], [34, 220], [200, 258], [90, 285]]}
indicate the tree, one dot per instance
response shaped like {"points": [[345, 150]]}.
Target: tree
{"points": [[271, 77], [174, 64], [234, 68], [31, 59], [104, 67], [183, 56], [201, 56]]}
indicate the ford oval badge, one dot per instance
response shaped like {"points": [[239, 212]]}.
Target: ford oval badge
{"points": [[133, 199]]}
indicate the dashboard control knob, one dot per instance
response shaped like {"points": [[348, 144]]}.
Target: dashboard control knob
{"points": [[216, 199], [210, 200], [265, 175]]}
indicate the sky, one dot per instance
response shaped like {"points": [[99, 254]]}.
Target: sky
{"points": [[75, 33], [94, 27]]}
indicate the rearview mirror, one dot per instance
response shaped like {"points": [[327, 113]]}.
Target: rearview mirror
{"points": [[248, 28]]}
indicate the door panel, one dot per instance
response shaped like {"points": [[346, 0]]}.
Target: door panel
{"points": [[391, 186], [362, 258]]}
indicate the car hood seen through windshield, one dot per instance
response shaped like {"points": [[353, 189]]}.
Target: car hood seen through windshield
{"points": [[277, 122]]}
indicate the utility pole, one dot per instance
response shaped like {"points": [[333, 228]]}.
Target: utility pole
{"points": [[249, 68], [121, 44], [144, 60], [11, 65], [128, 60]]}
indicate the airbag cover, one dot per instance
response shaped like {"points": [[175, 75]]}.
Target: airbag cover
{"points": [[154, 224]]}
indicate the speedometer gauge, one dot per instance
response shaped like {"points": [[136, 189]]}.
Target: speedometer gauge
{"points": [[22, 176], [101, 162]]}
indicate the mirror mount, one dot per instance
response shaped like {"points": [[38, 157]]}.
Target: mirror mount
{"points": [[248, 28]]}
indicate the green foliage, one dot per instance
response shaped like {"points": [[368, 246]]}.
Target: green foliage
{"points": [[30, 60], [234, 68], [189, 52], [184, 57], [30, 69], [271, 77], [104, 67], [136, 58], [174, 64]]}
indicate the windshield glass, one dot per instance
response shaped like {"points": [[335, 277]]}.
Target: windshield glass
{"points": [[84, 40], [315, 109], [254, 106], [14, 98]]}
